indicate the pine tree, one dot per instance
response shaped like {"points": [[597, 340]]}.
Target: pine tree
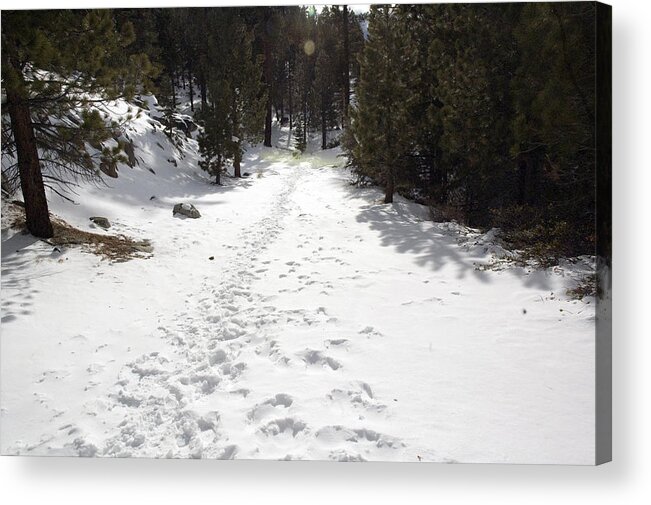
{"points": [[216, 134], [304, 81], [57, 68], [473, 62], [326, 71], [379, 136], [346, 63], [171, 57], [235, 114], [300, 134], [553, 122], [247, 110]]}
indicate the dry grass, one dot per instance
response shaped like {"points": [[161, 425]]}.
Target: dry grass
{"points": [[587, 286], [115, 248]]}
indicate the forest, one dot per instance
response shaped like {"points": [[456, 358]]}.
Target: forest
{"points": [[485, 113], [343, 233]]}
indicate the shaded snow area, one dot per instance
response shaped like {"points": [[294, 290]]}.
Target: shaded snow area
{"points": [[327, 326]]}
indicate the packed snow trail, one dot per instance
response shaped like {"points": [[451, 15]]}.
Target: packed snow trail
{"points": [[193, 403], [327, 326]]}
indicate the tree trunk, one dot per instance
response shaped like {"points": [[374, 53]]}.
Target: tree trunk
{"points": [[202, 88], [289, 94], [324, 138], [31, 179], [268, 77], [346, 68], [389, 188], [267, 125], [173, 79], [235, 125], [291, 111], [218, 171], [522, 182], [191, 87], [236, 164], [305, 118]]}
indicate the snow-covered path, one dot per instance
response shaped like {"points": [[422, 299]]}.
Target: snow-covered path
{"points": [[328, 326]]}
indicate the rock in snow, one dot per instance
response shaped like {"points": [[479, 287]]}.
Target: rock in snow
{"points": [[186, 209], [102, 222]]}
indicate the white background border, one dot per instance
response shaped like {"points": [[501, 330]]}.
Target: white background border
{"points": [[626, 480]]}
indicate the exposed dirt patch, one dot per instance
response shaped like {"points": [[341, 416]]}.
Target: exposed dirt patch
{"points": [[115, 248]]}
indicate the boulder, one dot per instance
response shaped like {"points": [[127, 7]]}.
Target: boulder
{"points": [[181, 122], [187, 210], [102, 222]]}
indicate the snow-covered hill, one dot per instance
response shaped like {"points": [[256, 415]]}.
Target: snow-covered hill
{"points": [[298, 318]]}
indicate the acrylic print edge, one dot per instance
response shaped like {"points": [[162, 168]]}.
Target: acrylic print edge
{"points": [[603, 324]]}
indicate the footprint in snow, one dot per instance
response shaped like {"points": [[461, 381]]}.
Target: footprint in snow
{"points": [[286, 425], [336, 342], [272, 406], [312, 357], [360, 396], [337, 434], [369, 331]]}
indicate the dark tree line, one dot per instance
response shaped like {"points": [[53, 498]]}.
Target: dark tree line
{"points": [[243, 66], [251, 67], [485, 111]]}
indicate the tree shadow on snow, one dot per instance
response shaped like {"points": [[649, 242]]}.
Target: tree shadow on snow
{"points": [[404, 226], [17, 276], [154, 175]]}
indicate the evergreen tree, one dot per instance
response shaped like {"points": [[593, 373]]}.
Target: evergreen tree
{"points": [[236, 112], [378, 138], [345, 61], [474, 61], [300, 134], [495, 115], [304, 82], [247, 100], [326, 71], [57, 67], [216, 134], [554, 121]]}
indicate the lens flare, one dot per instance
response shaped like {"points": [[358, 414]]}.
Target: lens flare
{"points": [[308, 47]]}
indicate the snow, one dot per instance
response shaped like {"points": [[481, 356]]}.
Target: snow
{"points": [[327, 326]]}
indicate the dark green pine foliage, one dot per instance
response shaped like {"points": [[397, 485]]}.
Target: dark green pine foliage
{"points": [[300, 134], [215, 136], [58, 68], [424, 175], [304, 82], [169, 40], [235, 114], [289, 49], [326, 73], [247, 98], [487, 113], [378, 140], [474, 60], [553, 124]]}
